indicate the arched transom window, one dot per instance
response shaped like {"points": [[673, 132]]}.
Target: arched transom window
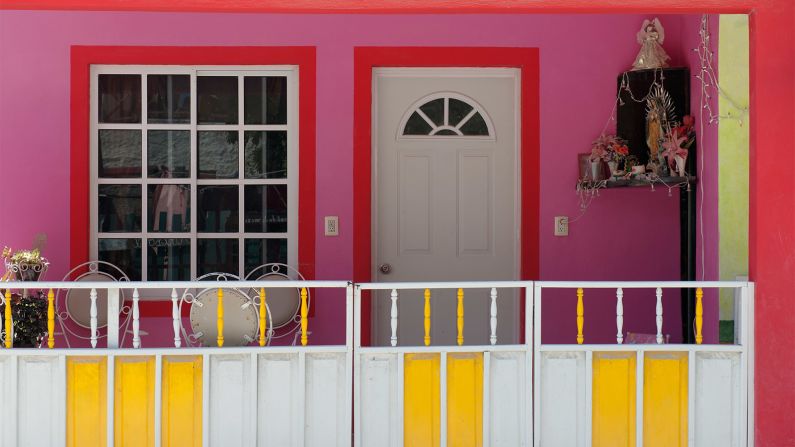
{"points": [[446, 115]]}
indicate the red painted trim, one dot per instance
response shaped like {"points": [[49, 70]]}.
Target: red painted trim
{"points": [[84, 56], [365, 58]]}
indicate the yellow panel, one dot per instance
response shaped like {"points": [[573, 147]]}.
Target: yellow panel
{"points": [[181, 423], [86, 401], [665, 400], [613, 399], [134, 401], [465, 400], [421, 400]]}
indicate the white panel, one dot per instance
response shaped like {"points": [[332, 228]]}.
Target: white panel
{"points": [[506, 398], [41, 390], [277, 405], [474, 204], [718, 407], [378, 400], [230, 400], [415, 203], [7, 409], [562, 397], [325, 400]]}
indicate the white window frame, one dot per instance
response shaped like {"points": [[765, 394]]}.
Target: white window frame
{"points": [[292, 180]]}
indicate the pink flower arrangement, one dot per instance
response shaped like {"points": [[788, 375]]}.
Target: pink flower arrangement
{"points": [[677, 141], [609, 148]]}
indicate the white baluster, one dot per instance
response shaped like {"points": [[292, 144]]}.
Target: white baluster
{"points": [[394, 317], [93, 316], [659, 316], [136, 324], [620, 315], [493, 316], [175, 318]]}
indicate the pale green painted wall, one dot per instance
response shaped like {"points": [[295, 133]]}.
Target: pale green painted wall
{"points": [[733, 149]]}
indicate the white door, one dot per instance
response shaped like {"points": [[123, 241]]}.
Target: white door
{"points": [[445, 173]]}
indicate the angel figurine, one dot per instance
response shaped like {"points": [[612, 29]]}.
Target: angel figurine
{"points": [[652, 54]]}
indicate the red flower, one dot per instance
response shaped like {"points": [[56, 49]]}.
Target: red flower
{"points": [[622, 150], [688, 121]]}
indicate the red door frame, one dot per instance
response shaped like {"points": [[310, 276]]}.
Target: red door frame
{"points": [[367, 58], [84, 56]]}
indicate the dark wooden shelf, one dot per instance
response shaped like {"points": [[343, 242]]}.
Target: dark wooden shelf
{"points": [[629, 183]]}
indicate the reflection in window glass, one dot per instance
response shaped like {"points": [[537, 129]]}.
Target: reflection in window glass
{"points": [[168, 208], [217, 99], [119, 98], [434, 110], [458, 110], [264, 251], [123, 253], [119, 153], [168, 153], [119, 208], [265, 99], [266, 154], [218, 154], [217, 209], [416, 125], [168, 259], [475, 126], [168, 99], [217, 256], [266, 208]]}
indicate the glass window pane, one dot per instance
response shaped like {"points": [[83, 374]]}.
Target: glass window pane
{"points": [[416, 125], [119, 208], [434, 110], [168, 153], [266, 154], [217, 256], [119, 98], [266, 208], [168, 99], [168, 260], [218, 154], [475, 126], [119, 153], [458, 110], [217, 99], [123, 253], [264, 251], [265, 99], [169, 208], [217, 208]]}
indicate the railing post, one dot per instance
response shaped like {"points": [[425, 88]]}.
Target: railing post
{"points": [[699, 315], [659, 311], [175, 316], [50, 319], [9, 323], [113, 317], [620, 315], [460, 314], [136, 324], [427, 322], [393, 317], [580, 316], [263, 310], [220, 313], [93, 317], [493, 316], [304, 317]]}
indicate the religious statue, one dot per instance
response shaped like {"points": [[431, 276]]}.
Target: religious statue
{"points": [[652, 54]]}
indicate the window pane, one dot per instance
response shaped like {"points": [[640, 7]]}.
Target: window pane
{"points": [[168, 153], [266, 154], [123, 253], [217, 211], [119, 154], [217, 256], [416, 125], [218, 154], [265, 100], [217, 99], [119, 98], [266, 208], [475, 126], [264, 251], [168, 98], [434, 110], [169, 208], [458, 110], [168, 260], [119, 208]]}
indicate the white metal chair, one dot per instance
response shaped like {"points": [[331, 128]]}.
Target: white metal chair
{"points": [[284, 304]]}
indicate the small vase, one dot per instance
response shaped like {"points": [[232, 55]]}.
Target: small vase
{"points": [[597, 171], [613, 165], [680, 165]]}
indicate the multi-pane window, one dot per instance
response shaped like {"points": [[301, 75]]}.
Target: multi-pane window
{"points": [[193, 169]]}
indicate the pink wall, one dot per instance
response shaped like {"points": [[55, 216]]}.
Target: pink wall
{"points": [[625, 234]]}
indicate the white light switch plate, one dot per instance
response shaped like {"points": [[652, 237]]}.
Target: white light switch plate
{"points": [[561, 226], [332, 225]]}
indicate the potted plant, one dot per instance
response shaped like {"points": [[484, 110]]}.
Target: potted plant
{"points": [[28, 311], [610, 149]]}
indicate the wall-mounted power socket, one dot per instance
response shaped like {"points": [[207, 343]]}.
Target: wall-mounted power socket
{"points": [[561, 226], [332, 225]]}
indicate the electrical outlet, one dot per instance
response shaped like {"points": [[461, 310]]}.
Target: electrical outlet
{"points": [[332, 224], [561, 226]]}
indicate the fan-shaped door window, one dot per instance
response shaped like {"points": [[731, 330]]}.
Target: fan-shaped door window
{"points": [[446, 115]]}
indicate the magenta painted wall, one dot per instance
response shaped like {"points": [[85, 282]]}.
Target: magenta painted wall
{"points": [[626, 234]]}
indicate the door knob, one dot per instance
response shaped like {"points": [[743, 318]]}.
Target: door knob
{"points": [[385, 268]]}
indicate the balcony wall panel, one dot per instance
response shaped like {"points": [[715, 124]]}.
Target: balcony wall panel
{"points": [[507, 415], [378, 400], [86, 401], [562, 394], [134, 401], [230, 400], [717, 401], [41, 393]]}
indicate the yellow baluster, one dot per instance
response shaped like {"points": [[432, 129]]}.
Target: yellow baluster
{"points": [[460, 338], [304, 319], [262, 314], [580, 318], [427, 317], [699, 315], [50, 319], [9, 322], [220, 317]]}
